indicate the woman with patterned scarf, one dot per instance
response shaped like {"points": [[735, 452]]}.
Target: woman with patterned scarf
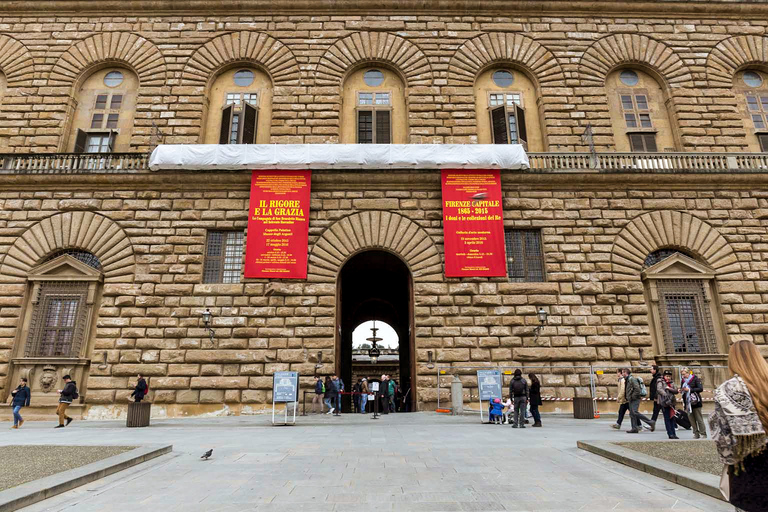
{"points": [[739, 425]]}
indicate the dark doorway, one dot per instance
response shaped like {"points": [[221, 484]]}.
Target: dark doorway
{"points": [[376, 285]]}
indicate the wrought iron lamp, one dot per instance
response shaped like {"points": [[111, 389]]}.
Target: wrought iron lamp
{"points": [[542, 317], [207, 316], [374, 351]]}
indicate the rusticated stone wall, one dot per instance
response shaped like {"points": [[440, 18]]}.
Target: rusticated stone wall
{"points": [[438, 57], [595, 228]]}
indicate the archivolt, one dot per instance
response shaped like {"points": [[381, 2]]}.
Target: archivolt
{"points": [[15, 62], [82, 230], [375, 230], [732, 54], [359, 47], [669, 229], [611, 51], [256, 47], [486, 49], [142, 55]]}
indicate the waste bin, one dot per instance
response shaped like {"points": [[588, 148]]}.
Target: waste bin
{"points": [[583, 408], [138, 414]]}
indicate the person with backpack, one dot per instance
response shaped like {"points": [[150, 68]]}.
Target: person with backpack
{"points": [[140, 390], [665, 394], [329, 393], [635, 391], [518, 390], [691, 388], [66, 397], [20, 398], [317, 400]]}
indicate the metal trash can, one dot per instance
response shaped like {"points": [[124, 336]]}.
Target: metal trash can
{"points": [[583, 408], [138, 414]]}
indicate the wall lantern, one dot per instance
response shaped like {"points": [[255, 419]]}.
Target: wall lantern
{"points": [[207, 317], [542, 317]]}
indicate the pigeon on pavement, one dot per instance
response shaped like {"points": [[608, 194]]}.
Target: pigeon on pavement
{"points": [[207, 454]]}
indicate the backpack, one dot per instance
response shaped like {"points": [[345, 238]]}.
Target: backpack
{"points": [[643, 389], [518, 387], [323, 384]]}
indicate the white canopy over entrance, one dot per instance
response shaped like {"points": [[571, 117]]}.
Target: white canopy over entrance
{"points": [[205, 157]]}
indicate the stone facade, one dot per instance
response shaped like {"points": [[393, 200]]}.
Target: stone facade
{"points": [[149, 228]]}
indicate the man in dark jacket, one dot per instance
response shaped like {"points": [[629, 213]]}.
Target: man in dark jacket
{"points": [[339, 385], [655, 376], [634, 395], [384, 393], [317, 400], [140, 390], [21, 396], [67, 396], [518, 390]]}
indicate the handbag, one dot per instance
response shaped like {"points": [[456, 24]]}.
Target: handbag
{"points": [[725, 483]]}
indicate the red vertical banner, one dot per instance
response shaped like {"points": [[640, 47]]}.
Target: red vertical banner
{"points": [[278, 225], [473, 223]]}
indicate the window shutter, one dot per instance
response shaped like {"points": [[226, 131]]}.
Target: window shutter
{"points": [[250, 118], [650, 142], [636, 142], [226, 120], [499, 125], [383, 128], [80, 141], [111, 146], [522, 132], [763, 138], [365, 127]]}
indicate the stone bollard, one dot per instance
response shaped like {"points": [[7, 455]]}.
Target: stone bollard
{"points": [[457, 396]]}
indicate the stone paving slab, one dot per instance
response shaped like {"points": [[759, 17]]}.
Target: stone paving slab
{"points": [[404, 462]]}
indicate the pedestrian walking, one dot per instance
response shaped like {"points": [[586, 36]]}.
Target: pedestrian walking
{"points": [[140, 390], [392, 394], [655, 376], [66, 397], [665, 395], [317, 400], [356, 395], [635, 391], [364, 396], [621, 398], [518, 390], [20, 398], [691, 388], [739, 425], [330, 394], [384, 394], [339, 388], [535, 399]]}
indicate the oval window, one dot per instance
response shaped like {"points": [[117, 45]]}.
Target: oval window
{"points": [[113, 79], [752, 79], [244, 78], [629, 77], [503, 78], [373, 78]]}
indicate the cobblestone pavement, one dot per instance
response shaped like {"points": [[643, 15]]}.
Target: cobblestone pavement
{"points": [[404, 462]]}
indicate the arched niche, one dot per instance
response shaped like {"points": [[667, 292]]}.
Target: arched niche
{"points": [[506, 88], [104, 106], [374, 107], [639, 109], [238, 108]]}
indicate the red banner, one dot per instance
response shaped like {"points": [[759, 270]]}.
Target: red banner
{"points": [[278, 225], [473, 223]]}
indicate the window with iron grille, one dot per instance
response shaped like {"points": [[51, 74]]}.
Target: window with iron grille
{"points": [[58, 320], [223, 257], [685, 317], [525, 256]]}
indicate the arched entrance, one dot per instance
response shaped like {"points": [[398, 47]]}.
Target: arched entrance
{"points": [[376, 285]]}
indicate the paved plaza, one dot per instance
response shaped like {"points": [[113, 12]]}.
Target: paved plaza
{"points": [[408, 462]]}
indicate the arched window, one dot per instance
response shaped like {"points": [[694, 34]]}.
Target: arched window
{"points": [[239, 107], [683, 304], [638, 112], [105, 106], [751, 89], [507, 110], [373, 108]]}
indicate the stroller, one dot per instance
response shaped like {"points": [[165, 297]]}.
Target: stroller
{"points": [[495, 408]]}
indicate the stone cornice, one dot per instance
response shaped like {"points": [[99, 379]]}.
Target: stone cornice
{"points": [[383, 180], [516, 8]]}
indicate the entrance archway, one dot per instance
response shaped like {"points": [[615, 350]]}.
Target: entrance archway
{"points": [[376, 285]]}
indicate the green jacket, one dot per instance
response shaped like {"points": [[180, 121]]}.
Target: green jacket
{"points": [[633, 388], [391, 388]]}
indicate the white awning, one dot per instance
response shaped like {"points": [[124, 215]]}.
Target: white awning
{"points": [[205, 157]]}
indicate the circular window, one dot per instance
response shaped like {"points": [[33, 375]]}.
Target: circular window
{"points": [[629, 77], [503, 78], [113, 79], [752, 79], [373, 78], [244, 77]]}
